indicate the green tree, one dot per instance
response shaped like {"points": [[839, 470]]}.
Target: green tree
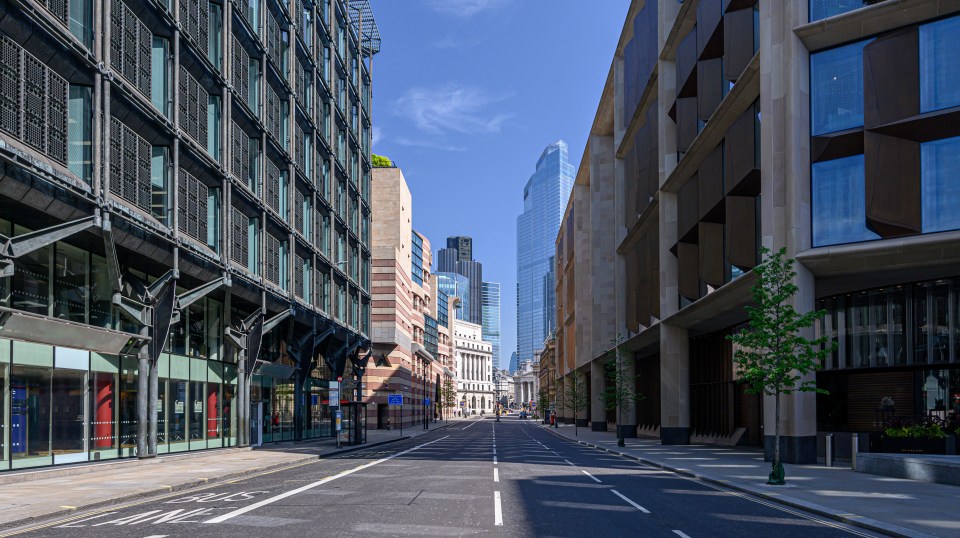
{"points": [[448, 394], [380, 161], [773, 354], [575, 398], [621, 391], [543, 402]]}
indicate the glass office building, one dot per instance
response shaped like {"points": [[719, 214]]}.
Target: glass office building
{"points": [[456, 285], [491, 318], [207, 231], [544, 199]]}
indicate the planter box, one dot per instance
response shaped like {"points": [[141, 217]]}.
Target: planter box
{"points": [[911, 445]]}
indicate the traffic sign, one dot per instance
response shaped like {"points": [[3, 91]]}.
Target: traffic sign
{"points": [[334, 398], [395, 399], [338, 418], [426, 401]]}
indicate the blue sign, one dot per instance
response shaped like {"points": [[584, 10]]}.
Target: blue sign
{"points": [[395, 399], [426, 401]]}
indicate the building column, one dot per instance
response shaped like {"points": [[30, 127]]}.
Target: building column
{"points": [[674, 385], [598, 411]]}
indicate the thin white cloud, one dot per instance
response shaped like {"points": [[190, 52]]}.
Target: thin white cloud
{"points": [[452, 109], [376, 135], [465, 8], [430, 144]]}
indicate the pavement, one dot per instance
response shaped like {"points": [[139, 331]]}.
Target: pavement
{"points": [[475, 477], [891, 506], [59, 491]]}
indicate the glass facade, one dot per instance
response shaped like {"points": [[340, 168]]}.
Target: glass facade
{"points": [[821, 9], [940, 64], [416, 262], [491, 318], [940, 184], [544, 199], [838, 202], [456, 285], [836, 88]]}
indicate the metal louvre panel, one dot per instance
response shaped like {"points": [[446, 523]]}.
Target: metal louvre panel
{"points": [[183, 88], [185, 6], [116, 35], [241, 73], [60, 9], [143, 59], [131, 36], [11, 62], [273, 113], [129, 164], [182, 214], [34, 102], [193, 107], [238, 223], [203, 192], [298, 212], [203, 101], [203, 25], [272, 265], [57, 97], [116, 157], [273, 186], [241, 153], [300, 161], [192, 208], [273, 40], [301, 84], [298, 277]]}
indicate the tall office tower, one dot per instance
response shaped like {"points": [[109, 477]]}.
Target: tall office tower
{"points": [[514, 363], [447, 260], [233, 185], [490, 300], [455, 285], [474, 272], [464, 246], [544, 198]]}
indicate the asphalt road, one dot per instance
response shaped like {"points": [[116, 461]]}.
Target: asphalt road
{"points": [[510, 478]]}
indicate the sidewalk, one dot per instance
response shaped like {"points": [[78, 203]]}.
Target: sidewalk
{"points": [[892, 506], [57, 491]]}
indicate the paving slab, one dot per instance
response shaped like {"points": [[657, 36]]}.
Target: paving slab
{"points": [[892, 506]]}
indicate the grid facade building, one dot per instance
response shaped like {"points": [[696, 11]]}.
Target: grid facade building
{"points": [[491, 318], [194, 175]]}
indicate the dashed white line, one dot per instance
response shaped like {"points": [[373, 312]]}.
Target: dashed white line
{"points": [[254, 506], [570, 464], [498, 513], [496, 474], [680, 534], [633, 504], [595, 479], [494, 460]]}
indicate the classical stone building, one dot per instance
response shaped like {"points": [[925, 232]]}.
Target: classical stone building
{"points": [[474, 357], [826, 128], [411, 334]]}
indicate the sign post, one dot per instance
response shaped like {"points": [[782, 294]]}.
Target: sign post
{"points": [[426, 413], [394, 400], [337, 421]]}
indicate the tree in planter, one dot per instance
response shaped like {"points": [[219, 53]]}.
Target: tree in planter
{"points": [[448, 393], [575, 398], [621, 387], [773, 355], [543, 402]]}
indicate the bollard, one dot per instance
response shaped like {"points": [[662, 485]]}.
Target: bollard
{"points": [[854, 449], [828, 457]]}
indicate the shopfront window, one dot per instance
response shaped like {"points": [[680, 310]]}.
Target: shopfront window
{"points": [[68, 441], [163, 401], [128, 417], [271, 420], [196, 410], [940, 392], [29, 415], [4, 375], [940, 64], [940, 190], [283, 410], [103, 407], [931, 322], [228, 411], [836, 88]]}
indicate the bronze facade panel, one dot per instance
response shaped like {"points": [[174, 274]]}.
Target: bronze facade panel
{"points": [[892, 181], [741, 231], [710, 186], [710, 84], [687, 264], [688, 213], [709, 29], [741, 158], [891, 71], [738, 43], [711, 253]]}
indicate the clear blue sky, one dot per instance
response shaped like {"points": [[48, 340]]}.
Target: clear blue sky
{"points": [[466, 94]]}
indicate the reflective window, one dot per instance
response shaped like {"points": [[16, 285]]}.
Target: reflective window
{"points": [[838, 205], [196, 423], [213, 126], [940, 187], [821, 9], [81, 21], [128, 416], [4, 374], [30, 291], [69, 419], [940, 64], [215, 36], [159, 182], [70, 288], [836, 88], [160, 75], [29, 415], [80, 132]]}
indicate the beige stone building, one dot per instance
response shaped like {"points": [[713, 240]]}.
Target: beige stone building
{"points": [[411, 332], [826, 128], [474, 357]]}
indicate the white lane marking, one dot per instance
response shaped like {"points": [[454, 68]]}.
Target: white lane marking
{"points": [[570, 464], [165, 536], [635, 505], [494, 451], [254, 506], [595, 479], [498, 514], [494, 460], [496, 474], [680, 534], [471, 424]]}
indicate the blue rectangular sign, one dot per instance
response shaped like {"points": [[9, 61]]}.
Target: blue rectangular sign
{"points": [[395, 399], [426, 401]]}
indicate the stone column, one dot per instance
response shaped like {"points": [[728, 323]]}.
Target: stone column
{"points": [[598, 412], [674, 385]]}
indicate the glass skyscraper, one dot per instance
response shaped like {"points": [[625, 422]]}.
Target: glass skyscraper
{"points": [[490, 297], [456, 285], [544, 198]]}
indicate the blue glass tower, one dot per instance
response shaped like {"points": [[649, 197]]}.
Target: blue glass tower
{"points": [[491, 318], [544, 199]]}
